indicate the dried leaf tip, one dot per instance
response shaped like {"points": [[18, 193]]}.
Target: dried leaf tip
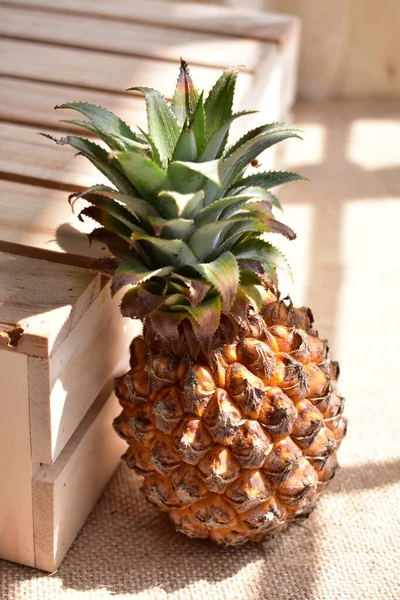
{"points": [[185, 96]]}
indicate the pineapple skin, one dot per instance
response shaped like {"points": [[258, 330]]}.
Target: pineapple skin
{"points": [[240, 442]]}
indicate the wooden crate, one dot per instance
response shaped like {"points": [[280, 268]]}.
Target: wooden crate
{"points": [[62, 339]]}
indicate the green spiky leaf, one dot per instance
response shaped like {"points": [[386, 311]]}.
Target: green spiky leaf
{"points": [[261, 130], [243, 153], [112, 142], [186, 147], [134, 272], [173, 204], [208, 241], [220, 209], [223, 274], [162, 123], [113, 241], [255, 294], [137, 206], [166, 323], [174, 252], [171, 229], [197, 288], [256, 248], [194, 173], [99, 158], [138, 303], [197, 123], [205, 319], [256, 192], [113, 208], [104, 121], [104, 218], [267, 180], [218, 105], [216, 144], [144, 174]]}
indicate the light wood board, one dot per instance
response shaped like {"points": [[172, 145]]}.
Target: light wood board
{"points": [[16, 523], [64, 494], [28, 157], [99, 70], [32, 103], [90, 32], [45, 299], [270, 27], [40, 219], [95, 351]]}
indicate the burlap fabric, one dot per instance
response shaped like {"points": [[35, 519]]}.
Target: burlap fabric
{"points": [[350, 547]]}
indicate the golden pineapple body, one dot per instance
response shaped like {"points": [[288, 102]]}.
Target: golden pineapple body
{"points": [[237, 445]]}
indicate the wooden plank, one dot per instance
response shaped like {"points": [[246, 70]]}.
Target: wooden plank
{"points": [[28, 157], [64, 494], [98, 70], [133, 39], [274, 85], [16, 522], [94, 352], [269, 27], [32, 103], [242, 22], [46, 300], [45, 222]]}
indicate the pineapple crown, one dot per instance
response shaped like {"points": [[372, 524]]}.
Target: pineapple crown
{"points": [[183, 223]]}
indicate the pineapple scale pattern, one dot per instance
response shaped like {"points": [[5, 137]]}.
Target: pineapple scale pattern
{"points": [[237, 448]]}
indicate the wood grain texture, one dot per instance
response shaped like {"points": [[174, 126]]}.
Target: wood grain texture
{"points": [[28, 157], [90, 32], [39, 401], [94, 352], [45, 299], [16, 524], [270, 27], [98, 70], [41, 218], [64, 494], [32, 103]]}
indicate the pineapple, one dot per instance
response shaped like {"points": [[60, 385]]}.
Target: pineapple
{"points": [[230, 409]]}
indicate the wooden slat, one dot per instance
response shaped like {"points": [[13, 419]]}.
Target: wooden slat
{"points": [[270, 27], [41, 218], [32, 103], [129, 38], [94, 352], [98, 70], [45, 299], [16, 523], [64, 494], [29, 157]]}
